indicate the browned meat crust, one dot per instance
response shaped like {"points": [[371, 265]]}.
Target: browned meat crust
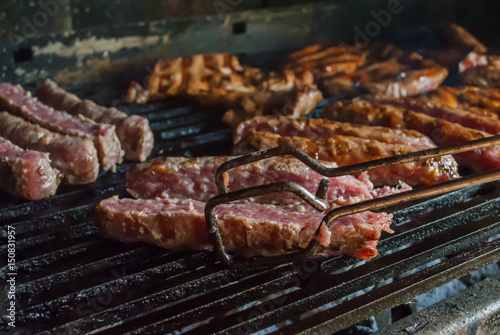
{"points": [[440, 131], [249, 229], [479, 100], [26, 173], [20, 102], [135, 136], [219, 79], [381, 70], [75, 157], [346, 150], [314, 128], [455, 115]]}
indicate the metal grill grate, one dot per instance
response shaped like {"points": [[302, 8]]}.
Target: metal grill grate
{"points": [[71, 279]]}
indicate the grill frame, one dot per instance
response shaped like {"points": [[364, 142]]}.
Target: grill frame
{"points": [[66, 271]]}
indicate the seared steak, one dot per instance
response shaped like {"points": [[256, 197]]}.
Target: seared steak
{"points": [[440, 131], [465, 118], [135, 136], [314, 128], [75, 157], [346, 150], [20, 102], [194, 178], [249, 229], [26, 173]]}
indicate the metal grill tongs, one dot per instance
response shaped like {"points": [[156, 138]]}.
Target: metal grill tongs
{"points": [[317, 200]]}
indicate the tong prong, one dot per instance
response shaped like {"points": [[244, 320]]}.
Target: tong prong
{"points": [[370, 205], [354, 168], [423, 192], [285, 186], [263, 154]]}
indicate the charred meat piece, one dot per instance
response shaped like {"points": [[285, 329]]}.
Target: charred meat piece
{"points": [[20, 102], [75, 157], [381, 70], [26, 173], [194, 178], [346, 150], [395, 73], [294, 103], [135, 136], [219, 79], [314, 128], [480, 70], [466, 118], [324, 61], [440, 131], [480, 100], [249, 229]]}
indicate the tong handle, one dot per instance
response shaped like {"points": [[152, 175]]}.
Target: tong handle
{"points": [[354, 168]]}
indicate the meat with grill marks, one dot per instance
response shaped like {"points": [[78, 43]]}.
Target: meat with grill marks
{"points": [[219, 79], [440, 131], [21, 103], [479, 100], [347, 150], [75, 157], [249, 229], [136, 138], [463, 117], [315, 128]]}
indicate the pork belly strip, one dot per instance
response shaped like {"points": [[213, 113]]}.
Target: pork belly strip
{"points": [[347, 150], [440, 131], [26, 173], [249, 229], [194, 178], [20, 102], [314, 128], [136, 138], [465, 118], [75, 157]]}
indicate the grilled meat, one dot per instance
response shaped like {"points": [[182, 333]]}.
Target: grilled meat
{"points": [[440, 131], [249, 229], [466, 118], [314, 128], [480, 70], [219, 79], [346, 150], [193, 178], [136, 138], [482, 101], [325, 61], [381, 70], [26, 173], [20, 102], [75, 157]]}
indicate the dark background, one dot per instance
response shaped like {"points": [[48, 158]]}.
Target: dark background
{"points": [[83, 41]]}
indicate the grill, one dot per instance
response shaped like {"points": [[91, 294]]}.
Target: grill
{"points": [[68, 278]]}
